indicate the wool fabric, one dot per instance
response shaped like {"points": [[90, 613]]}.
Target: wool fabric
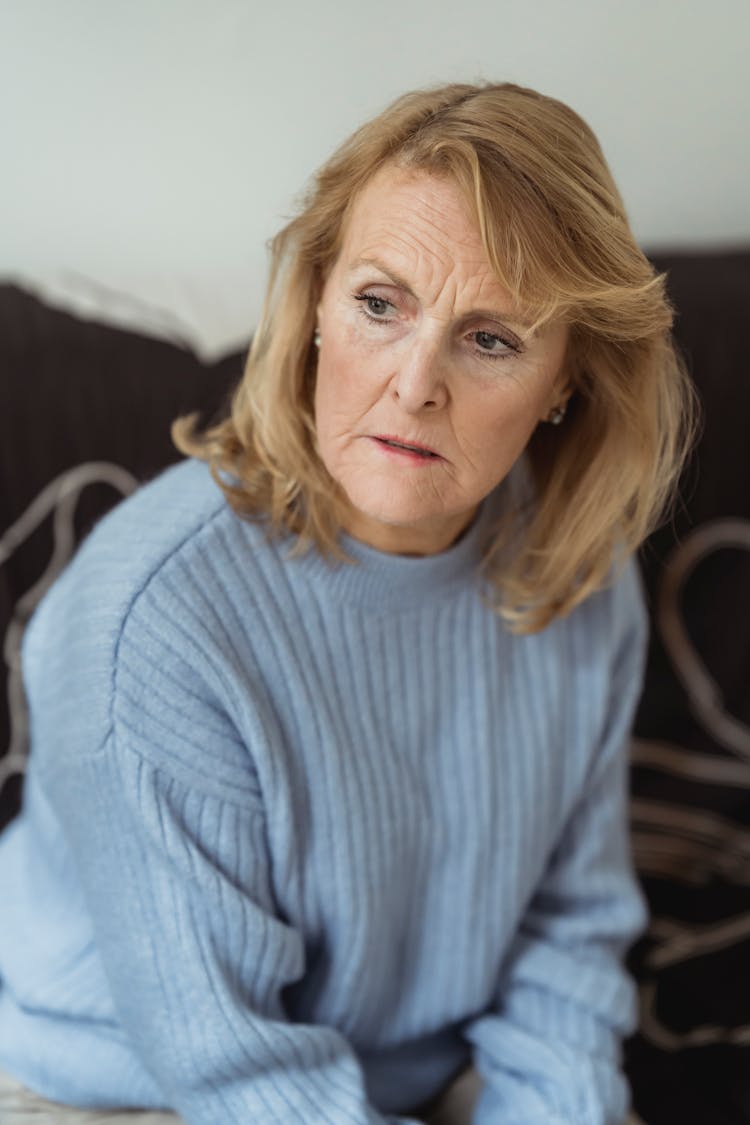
{"points": [[302, 837]]}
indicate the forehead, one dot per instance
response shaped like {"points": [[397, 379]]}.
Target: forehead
{"points": [[417, 222]]}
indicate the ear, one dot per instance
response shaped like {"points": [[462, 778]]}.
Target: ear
{"points": [[561, 399], [564, 385], [561, 390]]}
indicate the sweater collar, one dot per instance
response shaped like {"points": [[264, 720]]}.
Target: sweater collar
{"points": [[379, 580]]}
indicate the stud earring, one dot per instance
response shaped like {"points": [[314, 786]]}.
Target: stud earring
{"points": [[556, 415], [316, 338]]}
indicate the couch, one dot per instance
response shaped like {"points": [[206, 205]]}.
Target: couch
{"points": [[84, 418]]}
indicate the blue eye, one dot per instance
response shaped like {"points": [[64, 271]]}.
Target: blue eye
{"points": [[491, 345], [376, 308]]}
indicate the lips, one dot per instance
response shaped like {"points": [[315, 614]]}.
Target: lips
{"points": [[415, 448]]}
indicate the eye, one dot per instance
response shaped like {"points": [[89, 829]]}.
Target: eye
{"points": [[492, 346], [374, 307]]}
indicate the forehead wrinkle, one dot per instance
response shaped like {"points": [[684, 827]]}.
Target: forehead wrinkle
{"points": [[427, 239], [468, 283], [436, 270], [403, 233]]}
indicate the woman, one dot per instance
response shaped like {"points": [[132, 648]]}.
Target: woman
{"points": [[327, 793]]}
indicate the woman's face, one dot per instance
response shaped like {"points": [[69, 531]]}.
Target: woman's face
{"points": [[426, 392]]}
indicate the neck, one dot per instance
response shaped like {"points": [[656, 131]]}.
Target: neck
{"points": [[415, 540]]}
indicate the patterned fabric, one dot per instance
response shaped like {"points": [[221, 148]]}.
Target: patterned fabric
{"points": [[691, 779]]}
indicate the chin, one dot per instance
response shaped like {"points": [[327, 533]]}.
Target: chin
{"points": [[397, 511]]}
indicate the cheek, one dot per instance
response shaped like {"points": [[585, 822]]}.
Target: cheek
{"points": [[337, 396], [494, 432], [348, 379], [502, 412]]}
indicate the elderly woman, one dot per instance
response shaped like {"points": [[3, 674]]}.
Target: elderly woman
{"points": [[326, 801]]}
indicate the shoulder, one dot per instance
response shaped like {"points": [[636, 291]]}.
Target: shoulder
{"points": [[127, 548], [624, 605], [614, 611], [596, 653], [606, 647], [144, 587], [159, 519]]}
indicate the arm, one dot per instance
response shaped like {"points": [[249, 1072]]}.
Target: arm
{"points": [[549, 1048], [167, 826]]}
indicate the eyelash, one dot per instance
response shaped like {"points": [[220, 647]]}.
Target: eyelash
{"points": [[365, 298]]}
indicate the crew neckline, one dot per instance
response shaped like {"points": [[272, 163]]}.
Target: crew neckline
{"points": [[390, 581]]}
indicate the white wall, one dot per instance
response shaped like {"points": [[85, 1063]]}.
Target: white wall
{"points": [[154, 145]]}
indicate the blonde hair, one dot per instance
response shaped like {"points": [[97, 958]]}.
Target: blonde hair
{"points": [[555, 231]]}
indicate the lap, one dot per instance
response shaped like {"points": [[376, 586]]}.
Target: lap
{"points": [[456, 1106], [457, 1103], [19, 1106]]}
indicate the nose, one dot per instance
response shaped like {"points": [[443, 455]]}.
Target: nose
{"points": [[419, 383]]}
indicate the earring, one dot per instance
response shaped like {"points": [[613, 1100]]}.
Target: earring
{"points": [[316, 338], [556, 415]]}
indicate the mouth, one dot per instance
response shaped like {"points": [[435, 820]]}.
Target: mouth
{"points": [[406, 448]]}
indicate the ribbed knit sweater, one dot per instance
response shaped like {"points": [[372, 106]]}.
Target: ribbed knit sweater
{"points": [[302, 837]]}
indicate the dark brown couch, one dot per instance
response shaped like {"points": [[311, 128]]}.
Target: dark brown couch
{"points": [[84, 417]]}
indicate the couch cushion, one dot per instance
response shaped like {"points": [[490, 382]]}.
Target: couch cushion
{"points": [[85, 411], [690, 1062]]}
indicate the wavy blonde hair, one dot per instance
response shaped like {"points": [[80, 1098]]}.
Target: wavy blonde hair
{"points": [[556, 233]]}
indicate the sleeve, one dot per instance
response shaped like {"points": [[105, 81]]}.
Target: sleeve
{"points": [[548, 1049], [167, 826]]}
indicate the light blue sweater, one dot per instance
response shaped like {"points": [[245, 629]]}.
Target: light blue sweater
{"points": [[300, 838]]}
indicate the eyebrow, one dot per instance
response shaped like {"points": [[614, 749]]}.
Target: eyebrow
{"points": [[491, 314]]}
